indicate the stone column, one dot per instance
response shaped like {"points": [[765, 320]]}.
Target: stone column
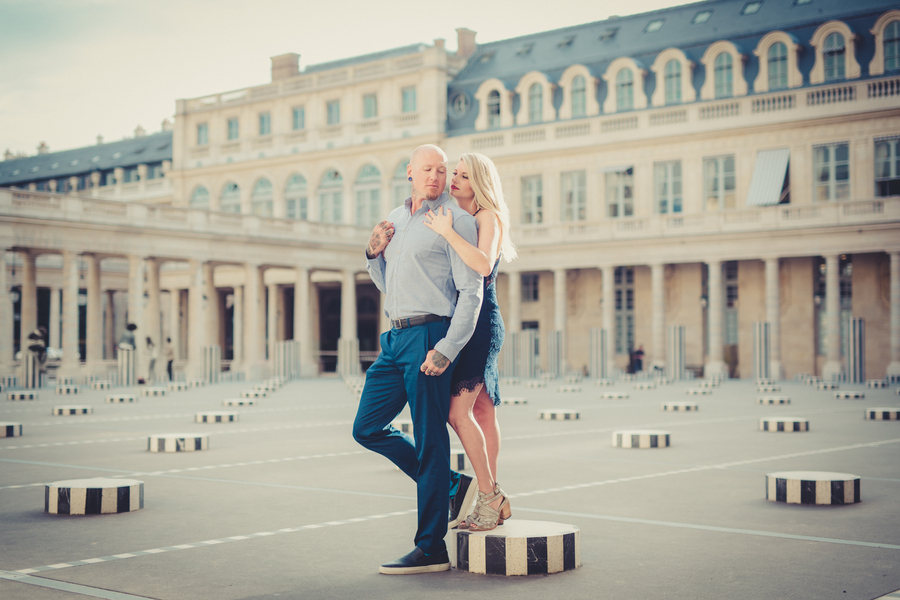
{"points": [[272, 321], [254, 324], [608, 310], [152, 320], [893, 369], [303, 324], [658, 291], [109, 326], [136, 308], [773, 316], [715, 365], [175, 320], [28, 300], [560, 301], [94, 333], [514, 324], [832, 367], [70, 358], [55, 318], [6, 317], [197, 307], [237, 329], [348, 343]]}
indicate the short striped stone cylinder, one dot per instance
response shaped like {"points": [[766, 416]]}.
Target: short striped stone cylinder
{"points": [[604, 382], [645, 386], [536, 383], [239, 402], [67, 390], [559, 414], [765, 382], [876, 383], [404, 425], [509, 381], [641, 438], [216, 416], [15, 396], [849, 395], [516, 548], [265, 387], [71, 410], [768, 389], [514, 401], [785, 424], [178, 442], [66, 381], [121, 398], [570, 388], [153, 391], [613, 396], [9, 381], [813, 380], [773, 400], [681, 407], [812, 487], [709, 383], [827, 386], [97, 496], [102, 384], [8, 430], [178, 386], [31, 371], [698, 391], [196, 382], [883, 414], [253, 394], [125, 363]]}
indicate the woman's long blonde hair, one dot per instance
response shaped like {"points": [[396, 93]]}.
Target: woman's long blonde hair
{"points": [[485, 182]]}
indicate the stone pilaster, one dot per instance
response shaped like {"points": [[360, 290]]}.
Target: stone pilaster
{"points": [[658, 292], [348, 343], [894, 366], [715, 365], [773, 316], [608, 314], [302, 324], [94, 321], [832, 367]]}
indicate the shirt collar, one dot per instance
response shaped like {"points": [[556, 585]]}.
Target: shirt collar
{"points": [[431, 204]]}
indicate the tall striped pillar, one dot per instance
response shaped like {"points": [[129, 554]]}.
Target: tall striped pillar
{"points": [[675, 353], [6, 317], [212, 363], [893, 369], [527, 365], [555, 353], [599, 360], [832, 371], [855, 350], [125, 360], [761, 343], [509, 354]]}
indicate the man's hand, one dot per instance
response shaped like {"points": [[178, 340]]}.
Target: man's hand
{"points": [[381, 236], [435, 363]]}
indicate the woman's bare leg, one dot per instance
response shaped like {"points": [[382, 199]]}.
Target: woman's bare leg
{"points": [[486, 416], [463, 422]]}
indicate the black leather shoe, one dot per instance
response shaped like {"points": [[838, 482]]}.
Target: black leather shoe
{"points": [[417, 562], [461, 501]]}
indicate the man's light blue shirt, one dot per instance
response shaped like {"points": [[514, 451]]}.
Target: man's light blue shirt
{"points": [[421, 274]]}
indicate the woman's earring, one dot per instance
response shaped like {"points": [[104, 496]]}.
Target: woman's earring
{"points": [[410, 178]]}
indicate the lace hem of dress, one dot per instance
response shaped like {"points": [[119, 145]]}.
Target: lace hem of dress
{"points": [[466, 385]]}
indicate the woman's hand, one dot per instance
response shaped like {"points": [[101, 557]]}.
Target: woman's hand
{"points": [[441, 222]]}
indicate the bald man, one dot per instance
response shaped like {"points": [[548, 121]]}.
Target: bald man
{"points": [[432, 300]]}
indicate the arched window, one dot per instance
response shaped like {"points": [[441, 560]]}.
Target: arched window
{"points": [[673, 82], [834, 52], [230, 200], [200, 198], [778, 66], [535, 103], [331, 198], [892, 47], [295, 200], [368, 196], [724, 67], [579, 96], [261, 199], [400, 184], [624, 90], [493, 106]]}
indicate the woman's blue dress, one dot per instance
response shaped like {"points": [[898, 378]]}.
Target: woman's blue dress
{"points": [[477, 362]]}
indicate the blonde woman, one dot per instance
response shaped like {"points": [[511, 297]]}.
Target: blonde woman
{"points": [[475, 383]]}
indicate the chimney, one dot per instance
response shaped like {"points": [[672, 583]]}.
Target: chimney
{"points": [[139, 132], [43, 148], [99, 139], [439, 43], [166, 125], [465, 42], [8, 155], [285, 66]]}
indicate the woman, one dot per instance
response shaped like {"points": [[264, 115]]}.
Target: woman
{"points": [[475, 383]]}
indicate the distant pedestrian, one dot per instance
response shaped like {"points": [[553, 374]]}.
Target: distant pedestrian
{"points": [[639, 359], [170, 357]]}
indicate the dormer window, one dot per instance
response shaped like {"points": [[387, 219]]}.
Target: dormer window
{"points": [[487, 56], [566, 41], [609, 33], [751, 8], [654, 25], [701, 17], [493, 106], [524, 49], [834, 57]]}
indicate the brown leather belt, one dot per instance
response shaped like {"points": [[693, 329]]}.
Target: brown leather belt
{"points": [[413, 321]]}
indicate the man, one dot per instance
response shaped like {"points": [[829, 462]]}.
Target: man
{"points": [[432, 299], [170, 357]]}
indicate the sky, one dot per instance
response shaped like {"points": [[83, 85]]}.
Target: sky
{"points": [[74, 69]]}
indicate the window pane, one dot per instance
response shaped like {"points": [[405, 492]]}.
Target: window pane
{"points": [[579, 95], [535, 103]]}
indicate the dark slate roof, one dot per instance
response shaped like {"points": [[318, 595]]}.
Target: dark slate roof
{"points": [[551, 52], [365, 58], [147, 149]]}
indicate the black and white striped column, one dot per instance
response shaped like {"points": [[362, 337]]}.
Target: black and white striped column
{"points": [[855, 350], [212, 363], [641, 438], [68, 390], [178, 442], [516, 548], [761, 350], [849, 395], [14, 396], [883, 414], [528, 364], [10, 430], [599, 361], [31, 372], [555, 353], [125, 362], [287, 359], [681, 407], [97, 496], [216, 416], [773, 400], [559, 414], [71, 410], [153, 391], [812, 487], [784, 424], [121, 398], [101, 384], [239, 402], [614, 396], [675, 368]]}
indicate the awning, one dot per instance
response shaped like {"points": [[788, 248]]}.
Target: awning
{"points": [[768, 177]]}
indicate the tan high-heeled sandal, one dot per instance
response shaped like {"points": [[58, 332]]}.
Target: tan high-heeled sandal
{"points": [[485, 517]]}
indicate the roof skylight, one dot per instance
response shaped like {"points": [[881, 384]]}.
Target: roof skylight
{"points": [[751, 8], [609, 33], [566, 41], [654, 25], [524, 49], [701, 17]]}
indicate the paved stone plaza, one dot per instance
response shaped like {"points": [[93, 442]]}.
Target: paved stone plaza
{"points": [[285, 504]]}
